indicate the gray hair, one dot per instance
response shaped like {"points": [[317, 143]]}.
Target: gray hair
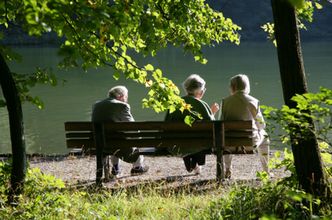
{"points": [[117, 91], [193, 84], [241, 83]]}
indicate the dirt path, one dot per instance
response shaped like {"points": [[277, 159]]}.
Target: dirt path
{"points": [[76, 170]]}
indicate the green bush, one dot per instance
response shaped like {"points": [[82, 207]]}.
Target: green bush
{"points": [[272, 200]]}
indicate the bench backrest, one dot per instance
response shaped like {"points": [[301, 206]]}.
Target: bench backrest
{"points": [[80, 134], [160, 134], [238, 137]]}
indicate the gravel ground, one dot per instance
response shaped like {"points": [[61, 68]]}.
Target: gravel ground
{"points": [[75, 170]]}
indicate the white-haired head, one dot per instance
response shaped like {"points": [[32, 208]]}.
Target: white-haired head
{"points": [[241, 83], [119, 93], [194, 85]]}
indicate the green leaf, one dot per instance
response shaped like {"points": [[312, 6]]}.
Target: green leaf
{"points": [[189, 120], [297, 3], [157, 73], [149, 67], [172, 109], [318, 6], [116, 75]]}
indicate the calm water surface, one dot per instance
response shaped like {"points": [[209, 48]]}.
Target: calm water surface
{"points": [[72, 101]]}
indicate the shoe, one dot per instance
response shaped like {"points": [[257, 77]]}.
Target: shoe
{"points": [[197, 170], [228, 174], [139, 170]]}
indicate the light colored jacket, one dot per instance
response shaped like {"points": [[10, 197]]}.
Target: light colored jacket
{"points": [[241, 106]]}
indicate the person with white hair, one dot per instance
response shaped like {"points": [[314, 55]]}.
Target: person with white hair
{"points": [[195, 88], [242, 106], [115, 108]]}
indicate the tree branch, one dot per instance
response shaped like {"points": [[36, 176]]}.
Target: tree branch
{"points": [[80, 42]]}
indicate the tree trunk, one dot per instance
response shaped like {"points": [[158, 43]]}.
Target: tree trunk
{"points": [[305, 149], [16, 130]]}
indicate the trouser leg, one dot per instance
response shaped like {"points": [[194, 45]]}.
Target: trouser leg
{"points": [[199, 158], [114, 160], [192, 160], [263, 152], [188, 163], [139, 161], [227, 161], [106, 165], [129, 155]]}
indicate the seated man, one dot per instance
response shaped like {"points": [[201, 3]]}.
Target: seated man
{"points": [[116, 109], [241, 106], [194, 86]]}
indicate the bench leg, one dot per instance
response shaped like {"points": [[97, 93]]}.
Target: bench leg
{"points": [[98, 128], [219, 141], [99, 140], [220, 165], [106, 164], [99, 171]]}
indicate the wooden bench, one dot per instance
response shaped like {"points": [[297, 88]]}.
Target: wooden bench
{"points": [[219, 137]]}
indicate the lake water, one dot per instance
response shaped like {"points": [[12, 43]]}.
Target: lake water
{"points": [[44, 129]]}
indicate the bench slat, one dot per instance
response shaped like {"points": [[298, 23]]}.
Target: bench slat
{"points": [[238, 141], [245, 133], [77, 143], [79, 135], [159, 134], [169, 126], [237, 125], [193, 142], [238, 150], [78, 126]]}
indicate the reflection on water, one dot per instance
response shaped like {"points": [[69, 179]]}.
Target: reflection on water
{"points": [[44, 129]]}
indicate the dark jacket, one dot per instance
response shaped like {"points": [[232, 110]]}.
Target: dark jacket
{"points": [[198, 107]]}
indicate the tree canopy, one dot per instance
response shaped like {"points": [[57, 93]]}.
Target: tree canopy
{"points": [[98, 33]]}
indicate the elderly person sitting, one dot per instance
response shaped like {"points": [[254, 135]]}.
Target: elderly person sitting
{"points": [[194, 86], [115, 108], [241, 106]]}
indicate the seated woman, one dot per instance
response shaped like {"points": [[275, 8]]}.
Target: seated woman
{"points": [[241, 106], [194, 86]]}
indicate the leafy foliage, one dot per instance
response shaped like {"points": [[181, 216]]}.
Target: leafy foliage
{"points": [[28, 80], [25, 81], [272, 200], [46, 197], [5, 169], [305, 13], [105, 33], [37, 183], [314, 106]]}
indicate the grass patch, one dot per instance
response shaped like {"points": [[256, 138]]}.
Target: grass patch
{"points": [[46, 197]]}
